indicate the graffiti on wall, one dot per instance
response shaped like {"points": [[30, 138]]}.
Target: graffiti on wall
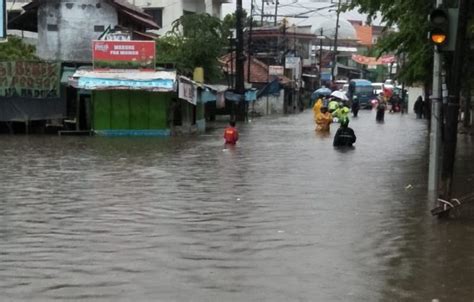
{"points": [[29, 79]]}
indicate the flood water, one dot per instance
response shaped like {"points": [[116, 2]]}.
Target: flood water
{"points": [[283, 216]]}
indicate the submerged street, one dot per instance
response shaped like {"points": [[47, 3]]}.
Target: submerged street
{"points": [[283, 216]]}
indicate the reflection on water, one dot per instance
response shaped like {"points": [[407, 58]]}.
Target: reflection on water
{"points": [[283, 216]]}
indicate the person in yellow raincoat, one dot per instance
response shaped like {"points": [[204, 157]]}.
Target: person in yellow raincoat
{"points": [[317, 108], [323, 120]]}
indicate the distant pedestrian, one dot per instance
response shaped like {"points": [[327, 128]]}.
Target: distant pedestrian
{"points": [[355, 106], [231, 135], [418, 107], [381, 106], [345, 136]]}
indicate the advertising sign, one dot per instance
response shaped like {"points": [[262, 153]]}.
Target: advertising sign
{"points": [[123, 54], [29, 79], [187, 91], [292, 62], [373, 60], [3, 21], [275, 70]]}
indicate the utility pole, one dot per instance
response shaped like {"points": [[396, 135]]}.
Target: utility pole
{"points": [[320, 57], [263, 12], [452, 109], [240, 61], [249, 43], [334, 59], [276, 13], [435, 134]]}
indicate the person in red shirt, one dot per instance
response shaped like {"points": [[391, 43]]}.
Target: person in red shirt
{"points": [[231, 135]]}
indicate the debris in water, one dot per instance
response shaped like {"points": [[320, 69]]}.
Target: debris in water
{"points": [[409, 187]]}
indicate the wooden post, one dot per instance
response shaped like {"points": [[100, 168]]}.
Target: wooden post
{"points": [[78, 112]]}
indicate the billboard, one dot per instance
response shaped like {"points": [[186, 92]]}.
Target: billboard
{"points": [[388, 59], [29, 79], [3, 20], [123, 54]]}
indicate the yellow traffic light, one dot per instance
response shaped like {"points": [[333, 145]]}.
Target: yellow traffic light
{"points": [[439, 26], [438, 38]]}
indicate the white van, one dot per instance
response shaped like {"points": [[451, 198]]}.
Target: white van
{"points": [[378, 88]]}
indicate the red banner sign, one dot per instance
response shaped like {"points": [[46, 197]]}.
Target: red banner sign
{"points": [[373, 60], [124, 54]]}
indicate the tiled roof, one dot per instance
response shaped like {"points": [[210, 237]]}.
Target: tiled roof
{"points": [[28, 20]]}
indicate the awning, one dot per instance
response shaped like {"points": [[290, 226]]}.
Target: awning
{"points": [[212, 93], [162, 81], [339, 65], [66, 73]]}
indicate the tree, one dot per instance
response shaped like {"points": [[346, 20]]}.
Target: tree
{"points": [[409, 17], [15, 49], [195, 40]]}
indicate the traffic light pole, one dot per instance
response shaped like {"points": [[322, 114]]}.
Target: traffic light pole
{"points": [[435, 134]]}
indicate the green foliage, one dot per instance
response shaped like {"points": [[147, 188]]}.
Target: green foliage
{"points": [[196, 40], [15, 49], [229, 22], [410, 37]]}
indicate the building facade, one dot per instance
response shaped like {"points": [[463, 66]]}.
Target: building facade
{"points": [[165, 12]]}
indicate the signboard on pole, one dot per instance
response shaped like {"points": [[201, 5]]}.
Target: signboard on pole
{"points": [[3, 21], [292, 62], [276, 70], [124, 54]]}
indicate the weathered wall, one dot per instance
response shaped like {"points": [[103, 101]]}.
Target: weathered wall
{"points": [[413, 94], [272, 104], [66, 28], [198, 6], [173, 9]]}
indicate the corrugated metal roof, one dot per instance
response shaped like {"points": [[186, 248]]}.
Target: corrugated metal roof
{"points": [[131, 80]]}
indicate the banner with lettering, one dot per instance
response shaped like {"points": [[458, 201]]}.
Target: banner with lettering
{"points": [[373, 60], [124, 54], [187, 90], [30, 79]]}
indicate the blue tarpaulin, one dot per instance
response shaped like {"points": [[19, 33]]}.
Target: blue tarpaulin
{"points": [[232, 96], [208, 95], [251, 95], [273, 87]]}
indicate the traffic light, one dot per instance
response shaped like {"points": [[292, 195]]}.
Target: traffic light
{"points": [[439, 27]]}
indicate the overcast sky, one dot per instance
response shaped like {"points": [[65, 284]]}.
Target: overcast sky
{"points": [[288, 7]]}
